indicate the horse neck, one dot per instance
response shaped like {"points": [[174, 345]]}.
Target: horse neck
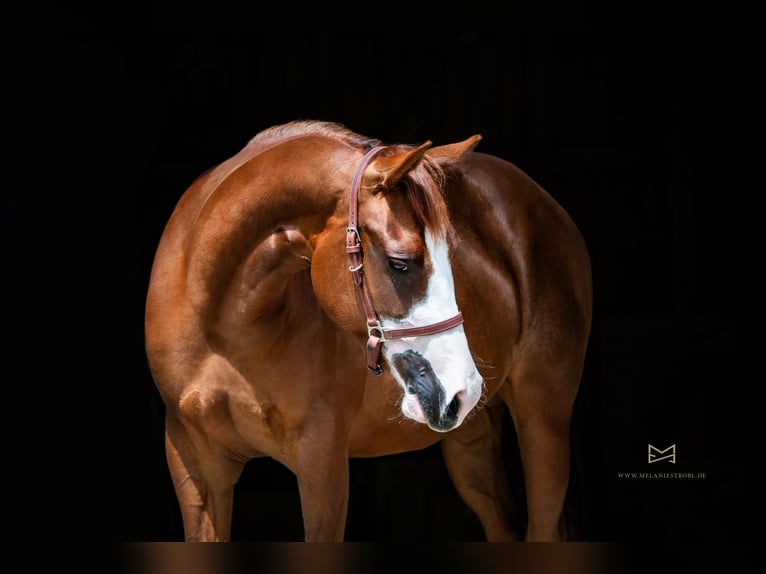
{"points": [[240, 213]]}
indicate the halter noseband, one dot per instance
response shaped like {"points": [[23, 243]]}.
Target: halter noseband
{"points": [[376, 334]]}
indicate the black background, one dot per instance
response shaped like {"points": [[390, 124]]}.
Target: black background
{"points": [[645, 123]]}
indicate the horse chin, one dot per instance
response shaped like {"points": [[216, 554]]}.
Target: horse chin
{"points": [[413, 409]]}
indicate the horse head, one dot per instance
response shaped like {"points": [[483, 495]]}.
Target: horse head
{"points": [[398, 247]]}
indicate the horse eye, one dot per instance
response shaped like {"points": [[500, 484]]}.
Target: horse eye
{"points": [[397, 265]]}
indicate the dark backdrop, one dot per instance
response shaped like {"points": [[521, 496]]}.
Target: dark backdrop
{"points": [[645, 124]]}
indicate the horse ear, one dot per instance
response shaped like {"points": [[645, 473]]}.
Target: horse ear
{"points": [[387, 171], [451, 153]]}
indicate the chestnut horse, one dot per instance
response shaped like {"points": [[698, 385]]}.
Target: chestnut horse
{"points": [[322, 295]]}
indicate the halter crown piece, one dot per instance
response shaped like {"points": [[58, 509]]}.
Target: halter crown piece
{"points": [[376, 334]]}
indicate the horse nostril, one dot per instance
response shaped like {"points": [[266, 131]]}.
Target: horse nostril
{"points": [[453, 407]]}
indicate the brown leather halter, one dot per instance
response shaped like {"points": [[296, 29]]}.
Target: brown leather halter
{"points": [[376, 334]]}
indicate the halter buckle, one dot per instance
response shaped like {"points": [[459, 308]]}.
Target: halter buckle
{"points": [[355, 231]]}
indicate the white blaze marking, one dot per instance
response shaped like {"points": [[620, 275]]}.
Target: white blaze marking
{"points": [[447, 351]]}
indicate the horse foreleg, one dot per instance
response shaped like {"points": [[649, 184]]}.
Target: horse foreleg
{"points": [[542, 412], [204, 486], [322, 471], [474, 459]]}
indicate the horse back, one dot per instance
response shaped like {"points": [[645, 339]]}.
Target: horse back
{"points": [[520, 257]]}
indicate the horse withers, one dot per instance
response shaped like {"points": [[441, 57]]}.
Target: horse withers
{"points": [[322, 295]]}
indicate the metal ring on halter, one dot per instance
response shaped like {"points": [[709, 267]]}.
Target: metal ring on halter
{"points": [[357, 268], [379, 328]]}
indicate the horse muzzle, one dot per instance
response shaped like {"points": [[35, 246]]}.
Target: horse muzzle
{"points": [[426, 399]]}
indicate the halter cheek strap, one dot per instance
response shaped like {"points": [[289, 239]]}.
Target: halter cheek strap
{"points": [[376, 334]]}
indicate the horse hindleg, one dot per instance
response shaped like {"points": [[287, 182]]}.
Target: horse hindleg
{"points": [[473, 455], [541, 408], [204, 486]]}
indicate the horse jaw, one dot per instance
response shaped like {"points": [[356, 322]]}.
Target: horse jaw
{"points": [[437, 373]]}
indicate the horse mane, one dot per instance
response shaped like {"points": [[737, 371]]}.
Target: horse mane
{"points": [[300, 128], [424, 188], [423, 185]]}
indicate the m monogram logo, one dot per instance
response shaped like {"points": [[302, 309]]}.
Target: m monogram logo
{"points": [[656, 455]]}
